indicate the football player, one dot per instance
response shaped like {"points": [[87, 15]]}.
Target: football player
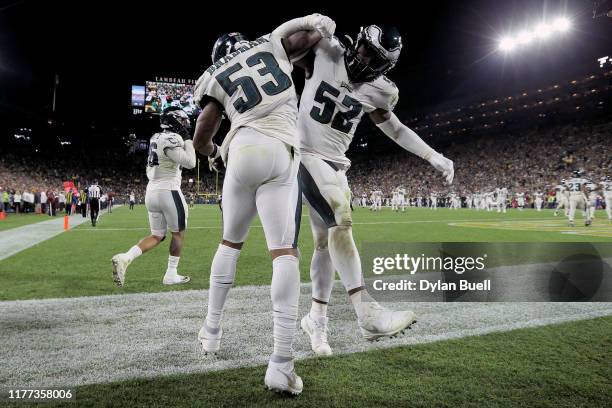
{"points": [[433, 201], [562, 195], [538, 201], [606, 186], [578, 197], [250, 81], [401, 195], [342, 84], [169, 151]]}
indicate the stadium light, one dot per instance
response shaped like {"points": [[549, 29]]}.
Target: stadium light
{"points": [[507, 44], [541, 31], [562, 24]]}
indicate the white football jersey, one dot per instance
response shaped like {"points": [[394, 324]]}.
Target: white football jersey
{"points": [[607, 188], [401, 192], [163, 173], [331, 106], [574, 185], [254, 86]]}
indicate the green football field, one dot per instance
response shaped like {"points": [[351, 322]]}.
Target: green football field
{"points": [[19, 220], [565, 364], [77, 263]]}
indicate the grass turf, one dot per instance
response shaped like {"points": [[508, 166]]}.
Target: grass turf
{"points": [[19, 220], [566, 365], [77, 263]]}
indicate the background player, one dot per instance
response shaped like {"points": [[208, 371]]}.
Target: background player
{"points": [[606, 186], [169, 151]]}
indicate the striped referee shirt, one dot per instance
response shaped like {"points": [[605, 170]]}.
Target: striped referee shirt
{"points": [[94, 191]]}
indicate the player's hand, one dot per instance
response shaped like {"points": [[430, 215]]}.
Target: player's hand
{"points": [[215, 163], [324, 25], [444, 165]]}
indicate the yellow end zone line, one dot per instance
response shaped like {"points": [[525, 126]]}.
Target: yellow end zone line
{"points": [[544, 226]]}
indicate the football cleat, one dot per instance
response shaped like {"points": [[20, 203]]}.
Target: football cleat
{"points": [[120, 264], [175, 280], [588, 223], [211, 343], [378, 322], [317, 331], [571, 224], [281, 377]]}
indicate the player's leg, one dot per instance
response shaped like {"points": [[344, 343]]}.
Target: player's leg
{"points": [[174, 208], [158, 226], [322, 278], [327, 191], [279, 205], [238, 210], [609, 207], [573, 203]]}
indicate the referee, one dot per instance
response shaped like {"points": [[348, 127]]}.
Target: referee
{"points": [[94, 193]]}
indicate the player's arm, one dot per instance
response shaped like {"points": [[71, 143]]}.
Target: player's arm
{"points": [[300, 34], [410, 141], [184, 156], [207, 125]]}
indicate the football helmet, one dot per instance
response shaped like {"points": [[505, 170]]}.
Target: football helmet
{"points": [[174, 119], [373, 54], [226, 44]]}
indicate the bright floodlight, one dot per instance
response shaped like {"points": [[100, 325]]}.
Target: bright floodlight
{"points": [[543, 30], [525, 37], [507, 44], [562, 24]]}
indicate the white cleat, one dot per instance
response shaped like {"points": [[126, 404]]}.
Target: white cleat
{"points": [[120, 264], [317, 331], [176, 280], [380, 322], [281, 377], [211, 343]]}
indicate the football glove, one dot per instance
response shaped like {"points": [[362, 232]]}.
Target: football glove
{"points": [[324, 25], [444, 165], [215, 163]]}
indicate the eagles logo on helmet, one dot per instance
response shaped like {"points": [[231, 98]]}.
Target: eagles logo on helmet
{"points": [[374, 53], [226, 44], [176, 120]]}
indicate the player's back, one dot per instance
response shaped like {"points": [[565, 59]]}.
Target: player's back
{"points": [[575, 185], [254, 86], [163, 172]]}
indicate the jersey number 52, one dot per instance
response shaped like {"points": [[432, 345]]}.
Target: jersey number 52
{"points": [[342, 120], [252, 94]]}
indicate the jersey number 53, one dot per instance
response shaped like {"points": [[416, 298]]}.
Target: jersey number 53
{"points": [[252, 94]]}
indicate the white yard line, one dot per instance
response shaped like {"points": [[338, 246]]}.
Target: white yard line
{"points": [[18, 239], [68, 342], [190, 227]]}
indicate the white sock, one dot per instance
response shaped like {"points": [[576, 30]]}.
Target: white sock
{"points": [[357, 299], [173, 262], [321, 275], [285, 293], [134, 252], [345, 257], [222, 272], [318, 310]]}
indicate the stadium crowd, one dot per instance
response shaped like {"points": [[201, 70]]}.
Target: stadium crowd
{"points": [[524, 162]]}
